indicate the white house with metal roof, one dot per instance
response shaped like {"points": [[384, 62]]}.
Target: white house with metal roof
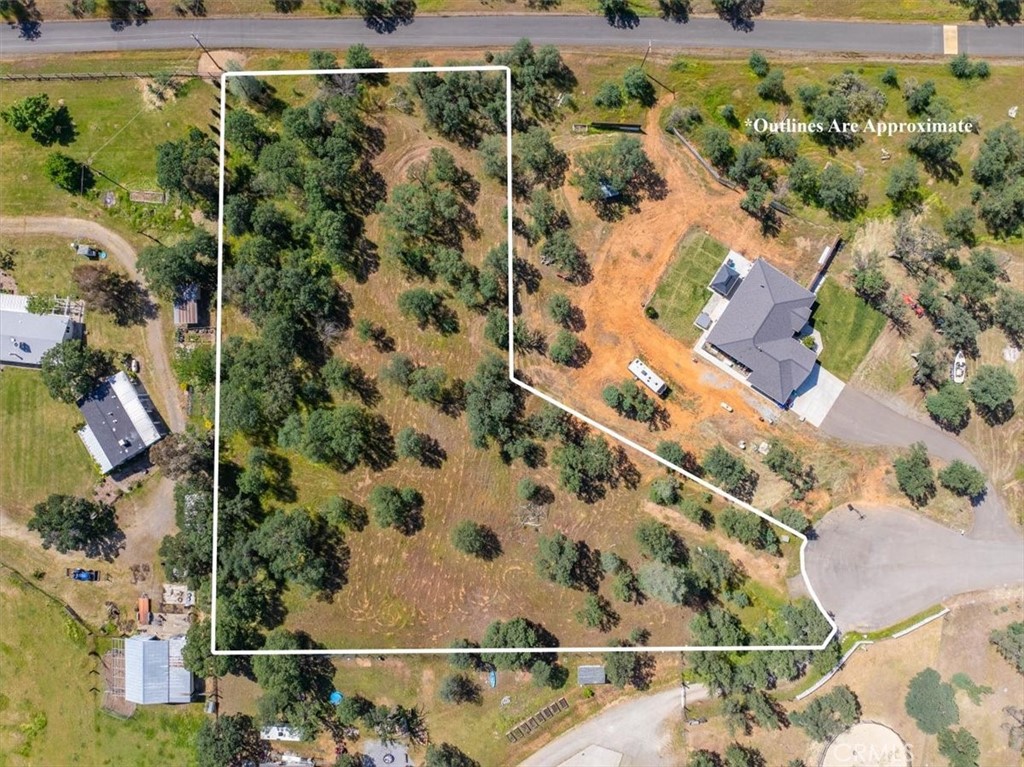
{"points": [[154, 671], [120, 421], [26, 336]]}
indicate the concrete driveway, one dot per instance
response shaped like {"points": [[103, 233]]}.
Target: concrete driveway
{"points": [[858, 417], [873, 572], [637, 728], [814, 399]]}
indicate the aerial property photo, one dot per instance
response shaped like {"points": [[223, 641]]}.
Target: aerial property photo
{"points": [[380, 385]]}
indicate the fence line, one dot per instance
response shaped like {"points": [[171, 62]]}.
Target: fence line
{"points": [[93, 76], [707, 166]]}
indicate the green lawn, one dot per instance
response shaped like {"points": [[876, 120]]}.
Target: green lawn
{"points": [[36, 426], [116, 130], [50, 701], [683, 288], [848, 328]]}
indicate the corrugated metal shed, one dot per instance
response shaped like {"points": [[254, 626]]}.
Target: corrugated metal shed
{"points": [[154, 671], [590, 675], [186, 306]]}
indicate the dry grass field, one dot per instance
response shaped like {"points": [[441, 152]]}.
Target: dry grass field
{"points": [[418, 591]]}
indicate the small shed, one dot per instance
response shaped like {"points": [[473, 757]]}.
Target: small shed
{"points": [[609, 192], [145, 611], [590, 675], [280, 732], [186, 306]]}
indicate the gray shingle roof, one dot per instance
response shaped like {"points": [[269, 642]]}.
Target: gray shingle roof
{"points": [[120, 421], [757, 330], [26, 337], [725, 280]]}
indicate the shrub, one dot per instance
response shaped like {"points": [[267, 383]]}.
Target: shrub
{"points": [[963, 479], [758, 64], [609, 95], [931, 702], [70, 175], [914, 474], [476, 540]]}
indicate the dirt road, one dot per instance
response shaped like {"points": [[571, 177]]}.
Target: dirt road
{"points": [[160, 378], [637, 728]]}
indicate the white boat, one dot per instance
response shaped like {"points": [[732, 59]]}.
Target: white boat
{"points": [[959, 371]]}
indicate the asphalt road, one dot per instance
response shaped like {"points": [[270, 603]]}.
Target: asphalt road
{"points": [[859, 418], [503, 30], [636, 728], [873, 572]]}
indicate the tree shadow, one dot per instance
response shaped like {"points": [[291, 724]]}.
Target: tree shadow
{"points": [[490, 544], [385, 18], [453, 399], [740, 13], [626, 471], [526, 274], [286, 6], [280, 470], [445, 320], [674, 10], [618, 14], [27, 18], [433, 455], [106, 547], [997, 415], [380, 451], [127, 13]]}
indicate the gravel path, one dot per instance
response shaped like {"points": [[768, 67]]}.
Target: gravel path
{"points": [[119, 248]]}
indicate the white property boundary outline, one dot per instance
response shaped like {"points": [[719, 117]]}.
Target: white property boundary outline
{"points": [[512, 377]]}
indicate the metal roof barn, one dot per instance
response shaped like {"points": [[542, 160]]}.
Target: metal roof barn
{"points": [[154, 671]]}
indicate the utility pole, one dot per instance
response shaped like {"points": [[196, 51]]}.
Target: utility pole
{"points": [[206, 51], [649, 43]]}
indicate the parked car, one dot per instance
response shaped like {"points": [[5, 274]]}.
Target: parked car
{"points": [[79, 574], [702, 720], [87, 251]]}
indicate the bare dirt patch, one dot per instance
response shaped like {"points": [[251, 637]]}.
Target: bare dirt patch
{"points": [[213, 64]]}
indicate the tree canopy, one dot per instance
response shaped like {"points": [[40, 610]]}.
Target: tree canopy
{"points": [[68, 523], [70, 369]]}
